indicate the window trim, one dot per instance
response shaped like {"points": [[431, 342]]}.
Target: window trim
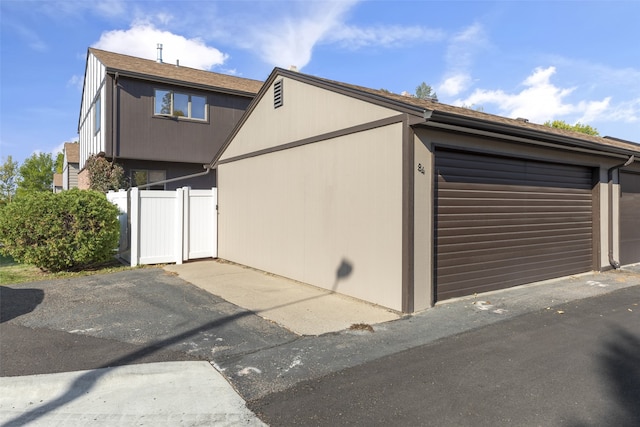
{"points": [[148, 172], [189, 115]]}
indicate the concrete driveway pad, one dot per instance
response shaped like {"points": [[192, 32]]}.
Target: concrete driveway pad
{"points": [[301, 308]]}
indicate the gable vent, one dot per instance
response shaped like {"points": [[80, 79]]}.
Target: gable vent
{"points": [[277, 94]]}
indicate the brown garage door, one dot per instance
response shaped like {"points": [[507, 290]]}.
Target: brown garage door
{"points": [[629, 218], [503, 222]]}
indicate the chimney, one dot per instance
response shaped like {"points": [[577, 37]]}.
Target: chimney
{"points": [[177, 62], [159, 58], [293, 68]]}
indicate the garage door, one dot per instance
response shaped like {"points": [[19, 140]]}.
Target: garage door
{"points": [[629, 218], [503, 222]]}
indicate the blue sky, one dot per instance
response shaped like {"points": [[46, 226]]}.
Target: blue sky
{"points": [[542, 60]]}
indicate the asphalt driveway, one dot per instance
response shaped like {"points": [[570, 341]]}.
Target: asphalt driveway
{"points": [[136, 316]]}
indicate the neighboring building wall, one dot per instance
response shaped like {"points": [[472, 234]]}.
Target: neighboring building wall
{"points": [[328, 214], [83, 180], [93, 106], [173, 170], [140, 134]]}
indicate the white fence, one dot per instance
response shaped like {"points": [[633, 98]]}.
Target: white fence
{"points": [[167, 226]]}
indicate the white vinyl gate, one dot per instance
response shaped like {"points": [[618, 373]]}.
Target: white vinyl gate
{"points": [[159, 227]]}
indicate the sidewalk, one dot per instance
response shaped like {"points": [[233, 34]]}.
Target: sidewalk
{"points": [[155, 394]]}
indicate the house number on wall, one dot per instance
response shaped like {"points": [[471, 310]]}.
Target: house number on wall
{"points": [[421, 168]]}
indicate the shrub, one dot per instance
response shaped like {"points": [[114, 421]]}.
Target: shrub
{"points": [[64, 231], [105, 176]]}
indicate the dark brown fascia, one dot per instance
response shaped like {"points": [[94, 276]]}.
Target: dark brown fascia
{"points": [[469, 124]]}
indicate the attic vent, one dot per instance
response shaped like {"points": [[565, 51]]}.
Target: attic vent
{"points": [[277, 94]]}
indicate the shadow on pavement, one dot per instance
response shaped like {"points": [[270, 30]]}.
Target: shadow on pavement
{"points": [[85, 383], [620, 363], [16, 302]]}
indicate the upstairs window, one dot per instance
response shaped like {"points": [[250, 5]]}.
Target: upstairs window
{"points": [[177, 104]]}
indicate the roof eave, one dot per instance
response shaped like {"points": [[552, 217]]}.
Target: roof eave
{"points": [[152, 78], [471, 123]]}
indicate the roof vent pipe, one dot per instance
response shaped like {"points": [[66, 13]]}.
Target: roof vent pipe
{"points": [[614, 263], [159, 57]]}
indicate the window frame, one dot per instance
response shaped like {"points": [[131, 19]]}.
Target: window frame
{"points": [[190, 109], [148, 173]]}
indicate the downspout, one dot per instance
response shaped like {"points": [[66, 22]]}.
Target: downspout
{"points": [[614, 263], [114, 127]]}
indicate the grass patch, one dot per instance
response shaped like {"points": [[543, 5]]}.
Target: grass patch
{"points": [[12, 273]]}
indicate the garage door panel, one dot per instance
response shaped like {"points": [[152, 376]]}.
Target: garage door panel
{"points": [[629, 218], [481, 256], [493, 219], [506, 280], [501, 222], [490, 263]]}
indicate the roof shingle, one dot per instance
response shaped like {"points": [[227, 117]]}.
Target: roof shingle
{"points": [[152, 69]]}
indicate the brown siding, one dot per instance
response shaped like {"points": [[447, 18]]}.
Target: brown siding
{"points": [[502, 222], [140, 135], [174, 170], [629, 218]]}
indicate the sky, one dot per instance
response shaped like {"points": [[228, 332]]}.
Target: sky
{"points": [[576, 61]]}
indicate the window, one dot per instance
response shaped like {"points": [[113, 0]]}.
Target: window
{"points": [[142, 177], [170, 103], [97, 116]]}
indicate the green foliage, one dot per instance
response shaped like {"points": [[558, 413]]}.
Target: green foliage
{"points": [[36, 174], [59, 162], [104, 175], [63, 231], [8, 180], [424, 91], [578, 127]]}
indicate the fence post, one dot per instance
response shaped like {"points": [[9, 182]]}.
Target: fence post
{"points": [[214, 231], [134, 218], [179, 225]]}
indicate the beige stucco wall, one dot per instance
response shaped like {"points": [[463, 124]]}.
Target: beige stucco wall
{"points": [[423, 226], [307, 111], [328, 214]]}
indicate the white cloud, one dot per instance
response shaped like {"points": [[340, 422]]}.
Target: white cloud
{"points": [[539, 101], [293, 31], [76, 82], [142, 38], [385, 36], [461, 51], [454, 84], [290, 39]]}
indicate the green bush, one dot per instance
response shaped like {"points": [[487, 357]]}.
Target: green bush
{"points": [[64, 231]]}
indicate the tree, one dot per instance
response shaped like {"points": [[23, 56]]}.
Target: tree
{"points": [[104, 175], [36, 174], [8, 180], [578, 127], [424, 91], [59, 162]]}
